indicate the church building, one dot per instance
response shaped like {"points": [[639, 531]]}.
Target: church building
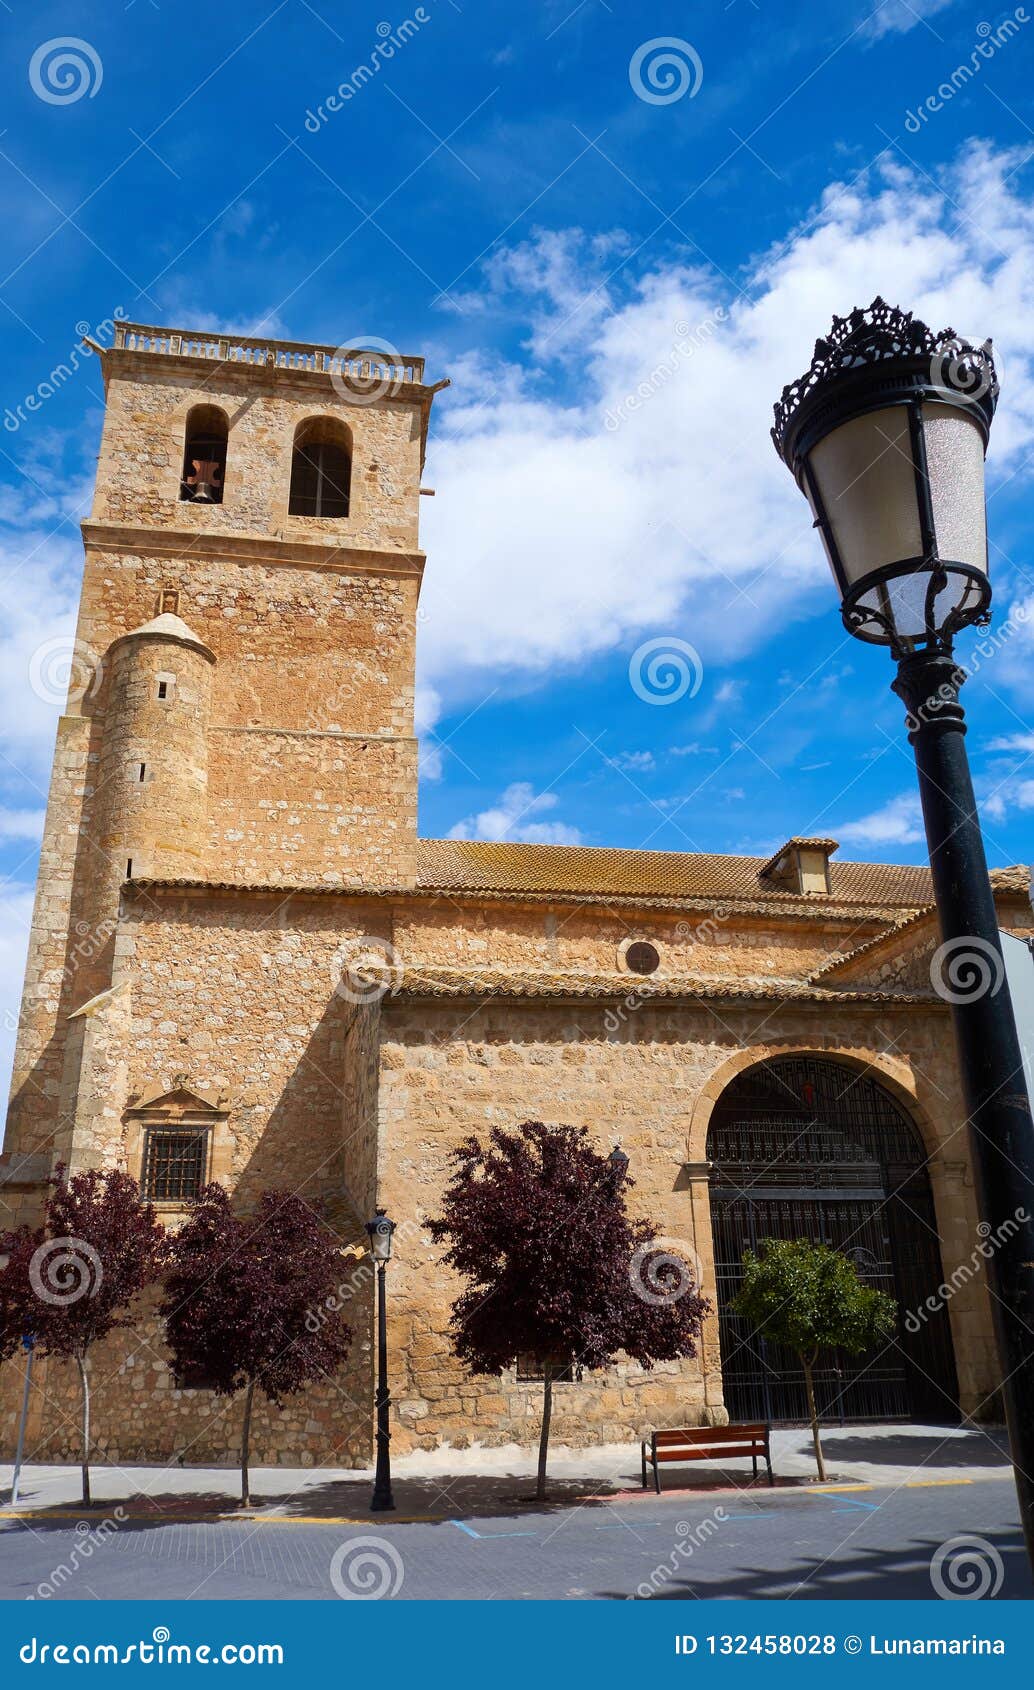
{"points": [[247, 966]]}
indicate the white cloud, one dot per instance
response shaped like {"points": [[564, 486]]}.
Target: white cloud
{"points": [[898, 822], [20, 824], [427, 708], [507, 819], [39, 590], [1010, 643], [628, 761], [897, 17], [564, 271], [1013, 742], [15, 918], [1006, 796], [563, 538]]}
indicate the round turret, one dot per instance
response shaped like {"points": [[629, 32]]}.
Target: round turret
{"points": [[153, 775]]}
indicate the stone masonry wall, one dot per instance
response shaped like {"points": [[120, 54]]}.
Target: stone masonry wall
{"points": [[720, 943], [140, 1415], [311, 773], [142, 449], [312, 758], [69, 959], [451, 1070], [239, 995]]}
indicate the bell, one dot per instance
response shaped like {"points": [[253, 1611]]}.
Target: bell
{"points": [[204, 483]]}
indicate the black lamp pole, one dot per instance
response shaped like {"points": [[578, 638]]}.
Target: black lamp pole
{"points": [[380, 1230], [989, 1054], [885, 434]]}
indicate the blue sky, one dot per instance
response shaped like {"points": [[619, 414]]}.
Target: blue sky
{"points": [[618, 286]]}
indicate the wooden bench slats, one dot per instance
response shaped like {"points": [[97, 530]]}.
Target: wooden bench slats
{"points": [[697, 1443], [711, 1435], [696, 1453]]}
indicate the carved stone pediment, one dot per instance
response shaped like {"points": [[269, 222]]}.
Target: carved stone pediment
{"points": [[181, 1098]]}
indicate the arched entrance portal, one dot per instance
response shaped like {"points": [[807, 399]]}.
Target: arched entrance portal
{"points": [[803, 1147]]}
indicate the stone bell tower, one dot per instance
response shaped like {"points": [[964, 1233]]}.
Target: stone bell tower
{"points": [[241, 707]]}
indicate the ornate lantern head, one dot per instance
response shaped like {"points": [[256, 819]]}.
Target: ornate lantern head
{"points": [[885, 435], [619, 1163], [380, 1231]]}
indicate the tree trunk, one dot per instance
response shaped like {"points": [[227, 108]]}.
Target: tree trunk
{"points": [[813, 1413], [84, 1381], [547, 1415], [249, 1397]]}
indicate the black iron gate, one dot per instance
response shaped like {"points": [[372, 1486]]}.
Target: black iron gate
{"points": [[804, 1148]]}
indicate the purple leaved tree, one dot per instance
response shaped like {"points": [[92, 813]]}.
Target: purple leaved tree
{"points": [[535, 1221], [73, 1281], [17, 1249], [240, 1297]]}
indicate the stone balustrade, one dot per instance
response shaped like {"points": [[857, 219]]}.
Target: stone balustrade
{"points": [[357, 363]]}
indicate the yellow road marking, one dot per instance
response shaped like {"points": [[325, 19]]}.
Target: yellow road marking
{"points": [[924, 1484]]}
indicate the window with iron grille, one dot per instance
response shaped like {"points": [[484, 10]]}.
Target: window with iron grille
{"points": [[174, 1163]]}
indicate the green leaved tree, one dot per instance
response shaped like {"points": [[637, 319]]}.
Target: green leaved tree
{"points": [[808, 1298]]}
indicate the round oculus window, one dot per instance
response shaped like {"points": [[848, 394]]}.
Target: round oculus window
{"points": [[642, 958]]}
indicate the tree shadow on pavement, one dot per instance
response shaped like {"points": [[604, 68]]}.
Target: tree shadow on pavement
{"points": [[982, 1447], [875, 1574]]}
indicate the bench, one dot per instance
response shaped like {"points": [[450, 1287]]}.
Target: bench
{"points": [[698, 1443]]}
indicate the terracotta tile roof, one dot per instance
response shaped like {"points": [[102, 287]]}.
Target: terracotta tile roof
{"points": [[916, 919], [441, 982], [1016, 878], [1014, 881], [460, 865]]}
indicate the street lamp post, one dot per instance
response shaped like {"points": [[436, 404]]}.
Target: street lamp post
{"points": [[380, 1231], [885, 435]]}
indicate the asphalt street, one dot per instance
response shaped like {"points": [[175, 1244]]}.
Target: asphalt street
{"points": [[926, 1539]]}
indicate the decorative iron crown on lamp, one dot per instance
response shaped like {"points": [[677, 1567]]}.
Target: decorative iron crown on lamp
{"points": [[885, 434]]}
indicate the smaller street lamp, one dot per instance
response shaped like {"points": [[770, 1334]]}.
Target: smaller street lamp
{"points": [[619, 1162], [380, 1231]]}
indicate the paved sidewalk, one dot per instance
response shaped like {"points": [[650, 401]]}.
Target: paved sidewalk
{"points": [[470, 1482]]}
